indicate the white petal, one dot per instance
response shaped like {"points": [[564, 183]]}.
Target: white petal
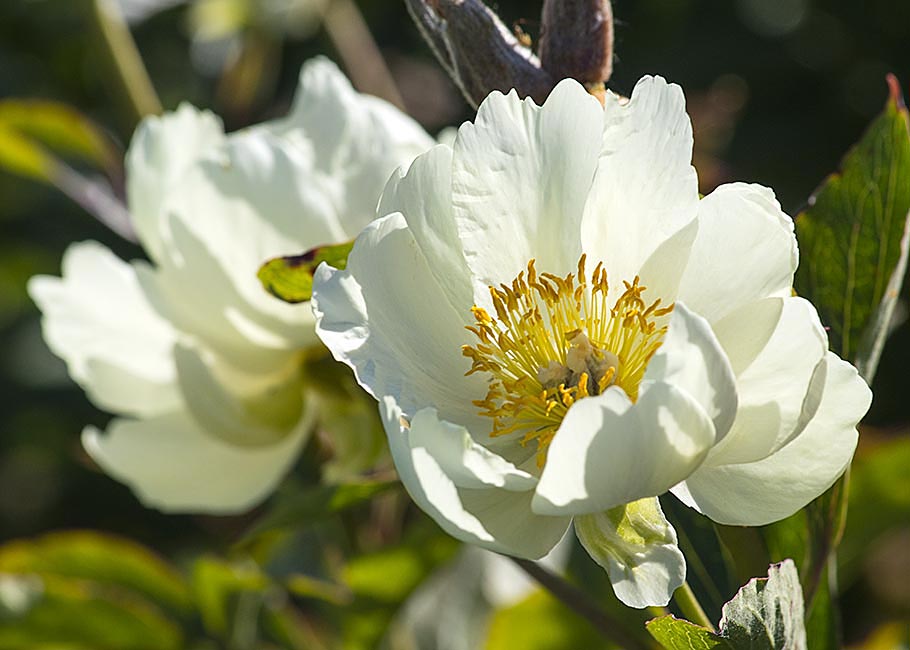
{"points": [[505, 583], [260, 201], [357, 141], [116, 345], [745, 251], [609, 451], [241, 417], [520, 177], [773, 387], [645, 188], [466, 463], [386, 317], [423, 196], [173, 465], [637, 546], [161, 151], [691, 359], [754, 494], [497, 519]]}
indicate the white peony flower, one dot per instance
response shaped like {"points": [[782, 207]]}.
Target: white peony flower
{"points": [[557, 328], [201, 363]]}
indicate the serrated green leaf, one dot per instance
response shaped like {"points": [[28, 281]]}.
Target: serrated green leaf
{"points": [[296, 507], [49, 611], [852, 238], [767, 613], [290, 278], [678, 634], [102, 559]]}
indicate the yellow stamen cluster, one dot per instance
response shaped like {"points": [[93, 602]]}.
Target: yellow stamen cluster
{"points": [[555, 340]]}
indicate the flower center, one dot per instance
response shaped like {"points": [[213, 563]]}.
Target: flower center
{"points": [[556, 340]]}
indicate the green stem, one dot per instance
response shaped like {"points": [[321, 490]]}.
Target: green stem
{"points": [[691, 608], [361, 56], [127, 63], [580, 603]]}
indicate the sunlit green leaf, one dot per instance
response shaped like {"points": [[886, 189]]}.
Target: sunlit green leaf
{"points": [[678, 634], [290, 278], [59, 612], [540, 622], [60, 128], [23, 156], [103, 559], [218, 585], [851, 237]]}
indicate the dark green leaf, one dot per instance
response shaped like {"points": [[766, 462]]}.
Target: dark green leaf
{"points": [[290, 278], [678, 634], [315, 503], [852, 238]]}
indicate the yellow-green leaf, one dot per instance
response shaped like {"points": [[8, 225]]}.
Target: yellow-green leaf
{"points": [[678, 634], [290, 278]]}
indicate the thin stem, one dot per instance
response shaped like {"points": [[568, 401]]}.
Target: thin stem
{"points": [[364, 63], [580, 603], [122, 51], [691, 608]]}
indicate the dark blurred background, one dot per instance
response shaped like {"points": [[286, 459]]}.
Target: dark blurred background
{"points": [[778, 91]]}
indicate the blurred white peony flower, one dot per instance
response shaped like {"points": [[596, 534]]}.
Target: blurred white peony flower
{"points": [[202, 364], [556, 327]]}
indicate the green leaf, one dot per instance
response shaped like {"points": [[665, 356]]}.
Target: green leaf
{"points": [[678, 634], [102, 559], [60, 128], [296, 507], [218, 585], [290, 278], [46, 612], [540, 622], [853, 238], [767, 613], [22, 156]]}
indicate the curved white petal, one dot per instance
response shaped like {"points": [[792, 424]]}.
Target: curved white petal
{"points": [[423, 196], [357, 141], [497, 519], [115, 343], [520, 177], [466, 463], [754, 494], [691, 359], [773, 387], [173, 465], [609, 451], [645, 188], [637, 546], [745, 251], [259, 201], [387, 318], [161, 151], [235, 413]]}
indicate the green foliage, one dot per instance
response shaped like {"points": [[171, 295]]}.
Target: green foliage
{"points": [[32, 132], [290, 278], [308, 505], [853, 238], [540, 622], [678, 634], [766, 614]]}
